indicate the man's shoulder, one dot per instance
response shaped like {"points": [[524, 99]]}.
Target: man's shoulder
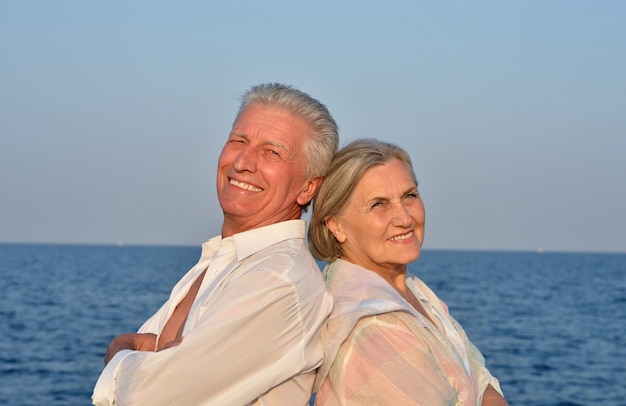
{"points": [[287, 253], [290, 261]]}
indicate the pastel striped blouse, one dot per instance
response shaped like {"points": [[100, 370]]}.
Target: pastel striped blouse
{"points": [[380, 351]]}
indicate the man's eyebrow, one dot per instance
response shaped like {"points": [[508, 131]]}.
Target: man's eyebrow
{"points": [[273, 143], [238, 134], [277, 144]]}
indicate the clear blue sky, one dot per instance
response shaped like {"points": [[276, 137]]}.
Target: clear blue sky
{"points": [[112, 114]]}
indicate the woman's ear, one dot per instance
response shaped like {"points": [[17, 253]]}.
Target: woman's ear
{"points": [[333, 225], [309, 190]]}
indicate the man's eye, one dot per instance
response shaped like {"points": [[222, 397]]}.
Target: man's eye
{"points": [[273, 153]]}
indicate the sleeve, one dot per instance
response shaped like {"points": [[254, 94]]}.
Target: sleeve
{"points": [[384, 360], [247, 342], [477, 360], [104, 391]]}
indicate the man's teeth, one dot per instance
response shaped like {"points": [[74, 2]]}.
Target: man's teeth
{"points": [[245, 186], [401, 237]]}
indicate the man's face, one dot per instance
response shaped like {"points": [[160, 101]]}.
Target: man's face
{"points": [[260, 176]]}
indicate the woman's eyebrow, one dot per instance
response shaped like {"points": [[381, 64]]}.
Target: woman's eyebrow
{"points": [[412, 189]]}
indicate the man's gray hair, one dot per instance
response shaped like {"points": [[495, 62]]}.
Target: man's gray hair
{"points": [[323, 142]]}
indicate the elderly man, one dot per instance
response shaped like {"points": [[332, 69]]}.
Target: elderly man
{"points": [[242, 326]]}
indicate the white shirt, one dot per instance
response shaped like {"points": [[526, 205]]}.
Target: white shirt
{"points": [[252, 334]]}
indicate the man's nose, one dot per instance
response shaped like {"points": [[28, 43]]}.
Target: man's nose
{"points": [[246, 160]]}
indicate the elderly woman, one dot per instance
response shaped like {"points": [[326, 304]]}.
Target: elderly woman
{"points": [[389, 340]]}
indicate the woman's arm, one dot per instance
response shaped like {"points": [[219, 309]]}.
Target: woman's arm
{"points": [[493, 398], [383, 362]]}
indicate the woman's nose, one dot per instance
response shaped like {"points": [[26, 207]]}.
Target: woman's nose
{"points": [[402, 217]]}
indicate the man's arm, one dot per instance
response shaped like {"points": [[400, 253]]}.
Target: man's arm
{"points": [[130, 341], [248, 341]]}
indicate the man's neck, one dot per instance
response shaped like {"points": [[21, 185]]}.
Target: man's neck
{"points": [[235, 226]]}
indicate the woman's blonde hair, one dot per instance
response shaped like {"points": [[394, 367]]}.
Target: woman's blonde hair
{"points": [[345, 171]]}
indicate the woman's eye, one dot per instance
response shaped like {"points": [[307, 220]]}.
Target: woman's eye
{"points": [[412, 195]]}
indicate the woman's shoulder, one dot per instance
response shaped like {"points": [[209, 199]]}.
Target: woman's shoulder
{"points": [[348, 282], [422, 291]]}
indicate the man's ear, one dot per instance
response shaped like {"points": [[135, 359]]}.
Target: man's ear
{"points": [[333, 225], [309, 190]]}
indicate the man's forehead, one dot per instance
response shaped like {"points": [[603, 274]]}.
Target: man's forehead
{"points": [[272, 125], [269, 140]]}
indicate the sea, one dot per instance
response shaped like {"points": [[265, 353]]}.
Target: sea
{"points": [[552, 326]]}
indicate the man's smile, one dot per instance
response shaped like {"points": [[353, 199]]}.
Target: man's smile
{"points": [[245, 186]]}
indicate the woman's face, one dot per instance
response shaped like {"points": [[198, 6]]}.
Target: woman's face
{"points": [[382, 226]]}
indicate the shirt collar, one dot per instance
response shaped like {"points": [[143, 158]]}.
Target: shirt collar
{"points": [[252, 241]]}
